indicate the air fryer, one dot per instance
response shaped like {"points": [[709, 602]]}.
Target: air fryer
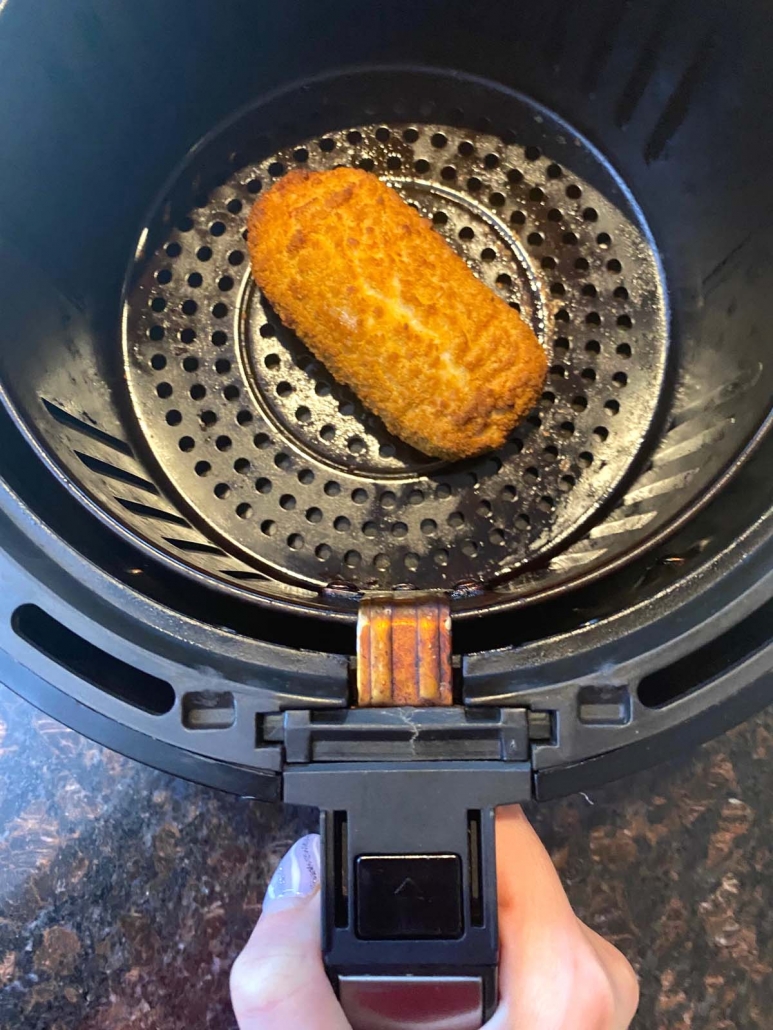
{"points": [[214, 559]]}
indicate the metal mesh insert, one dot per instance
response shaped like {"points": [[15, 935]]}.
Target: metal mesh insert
{"points": [[284, 467]]}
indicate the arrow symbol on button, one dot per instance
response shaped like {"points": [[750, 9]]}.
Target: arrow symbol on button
{"points": [[409, 891]]}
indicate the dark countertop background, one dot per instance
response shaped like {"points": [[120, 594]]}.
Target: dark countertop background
{"points": [[125, 893]]}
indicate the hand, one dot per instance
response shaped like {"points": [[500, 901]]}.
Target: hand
{"points": [[555, 972]]}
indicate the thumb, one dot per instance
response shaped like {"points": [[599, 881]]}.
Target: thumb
{"points": [[278, 981]]}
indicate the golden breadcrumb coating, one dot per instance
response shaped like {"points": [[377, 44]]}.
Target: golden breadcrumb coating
{"points": [[393, 312]]}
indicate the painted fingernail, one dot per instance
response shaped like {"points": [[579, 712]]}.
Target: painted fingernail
{"points": [[296, 876]]}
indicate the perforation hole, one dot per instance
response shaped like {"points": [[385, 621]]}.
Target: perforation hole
{"points": [[221, 491], [287, 502]]}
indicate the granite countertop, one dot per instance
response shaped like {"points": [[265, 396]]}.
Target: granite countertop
{"points": [[125, 893]]}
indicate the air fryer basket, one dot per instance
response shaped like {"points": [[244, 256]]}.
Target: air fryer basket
{"points": [[597, 167]]}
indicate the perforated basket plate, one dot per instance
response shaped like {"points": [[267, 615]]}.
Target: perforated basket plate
{"points": [[283, 467]]}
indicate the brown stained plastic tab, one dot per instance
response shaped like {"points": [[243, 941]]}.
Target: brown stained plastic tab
{"points": [[404, 651]]}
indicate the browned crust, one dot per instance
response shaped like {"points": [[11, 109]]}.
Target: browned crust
{"points": [[393, 312]]}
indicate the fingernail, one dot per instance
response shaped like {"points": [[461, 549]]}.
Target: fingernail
{"points": [[296, 876]]}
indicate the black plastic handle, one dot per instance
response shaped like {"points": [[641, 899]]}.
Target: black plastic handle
{"points": [[409, 927]]}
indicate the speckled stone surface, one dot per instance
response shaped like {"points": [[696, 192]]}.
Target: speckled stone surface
{"points": [[125, 894]]}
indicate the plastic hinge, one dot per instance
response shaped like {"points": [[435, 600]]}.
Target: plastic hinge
{"points": [[400, 734]]}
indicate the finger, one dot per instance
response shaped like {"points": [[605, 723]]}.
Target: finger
{"points": [[536, 927], [624, 980], [278, 981], [551, 976]]}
